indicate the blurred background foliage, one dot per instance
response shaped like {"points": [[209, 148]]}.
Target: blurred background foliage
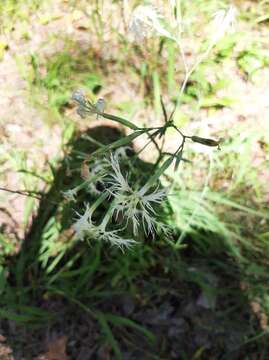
{"points": [[213, 273]]}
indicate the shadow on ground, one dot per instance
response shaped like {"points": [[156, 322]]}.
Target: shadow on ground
{"points": [[151, 302]]}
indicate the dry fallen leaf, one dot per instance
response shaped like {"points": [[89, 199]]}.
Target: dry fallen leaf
{"points": [[57, 349], [5, 352], [84, 171], [2, 338]]}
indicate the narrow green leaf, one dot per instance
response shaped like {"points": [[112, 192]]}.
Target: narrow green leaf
{"points": [[222, 200], [62, 273], [28, 209], [171, 66], [178, 159], [152, 180], [157, 93], [205, 141], [55, 261], [120, 120], [164, 111], [120, 320], [109, 335], [90, 268], [3, 280], [29, 315], [121, 142]]}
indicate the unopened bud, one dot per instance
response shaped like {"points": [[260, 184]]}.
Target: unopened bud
{"points": [[205, 141]]}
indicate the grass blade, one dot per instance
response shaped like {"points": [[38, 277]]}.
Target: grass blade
{"points": [[109, 335]]}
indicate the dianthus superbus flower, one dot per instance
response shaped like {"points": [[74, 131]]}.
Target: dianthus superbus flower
{"points": [[70, 195], [145, 22], [223, 22], [135, 206], [85, 228]]}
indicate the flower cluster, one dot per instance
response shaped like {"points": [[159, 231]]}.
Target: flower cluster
{"points": [[135, 206], [87, 107]]}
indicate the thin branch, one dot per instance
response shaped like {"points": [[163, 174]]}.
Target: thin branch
{"points": [[34, 194]]}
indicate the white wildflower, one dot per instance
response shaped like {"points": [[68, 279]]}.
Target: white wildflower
{"points": [[150, 225], [154, 197], [136, 206], [70, 195], [84, 223], [86, 106], [92, 188], [79, 96], [113, 238], [223, 22], [119, 182], [85, 228], [100, 105], [145, 21], [98, 171], [121, 152]]}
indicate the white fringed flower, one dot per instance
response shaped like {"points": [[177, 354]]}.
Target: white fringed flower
{"points": [[121, 152], [98, 171], [85, 228], [113, 238], [223, 22], [84, 224], [136, 206], [119, 183], [145, 22], [70, 195]]}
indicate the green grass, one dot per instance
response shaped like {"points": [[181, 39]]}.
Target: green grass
{"points": [[13, 10], [63, 73]]}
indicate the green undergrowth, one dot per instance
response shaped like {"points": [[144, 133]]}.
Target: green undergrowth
{"points": [[208, 260], [12, 11], [51, 91]]}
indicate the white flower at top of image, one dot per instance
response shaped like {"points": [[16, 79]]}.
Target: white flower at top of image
{"points": [[145, 22], [223, 22]]}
